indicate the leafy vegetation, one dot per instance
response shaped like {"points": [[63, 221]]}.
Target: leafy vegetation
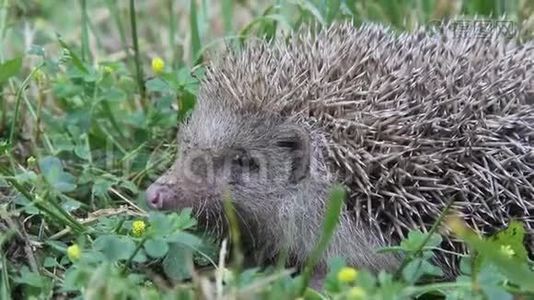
{"points": [[91, 93]]}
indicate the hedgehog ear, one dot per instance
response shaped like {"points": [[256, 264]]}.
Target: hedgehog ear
{"points": [[296, 141]]}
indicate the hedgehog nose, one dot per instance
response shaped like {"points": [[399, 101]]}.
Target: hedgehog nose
{"points": [[154, 196]]}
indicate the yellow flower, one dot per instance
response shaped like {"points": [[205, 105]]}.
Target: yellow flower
{"points": [[356, 293], [74, 252], [347, 274], [138, 228], [158, 65], [507, 250]]}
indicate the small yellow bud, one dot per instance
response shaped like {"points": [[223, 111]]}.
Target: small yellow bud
{"points": [[356, 293], [138, 228], [158, 65], [507, 250], [39, 75], [30, 162], [227, 275], [347, 274], [38, 198], [107, 69], [457, 225], [74, 252]]}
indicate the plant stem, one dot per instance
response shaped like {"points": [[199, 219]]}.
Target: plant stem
{"points": [[195, 35], [172, 32], [2, 109], [138, 67], [3, 27], [37, 130], [433, 229], [67, 216], [5, 291], [86, 56], [3, 21], [112, 6], [129, 261], [235, 234], [59, 212], [18, 98]]}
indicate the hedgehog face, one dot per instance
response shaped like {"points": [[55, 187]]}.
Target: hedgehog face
{"points": [[258, 160]]}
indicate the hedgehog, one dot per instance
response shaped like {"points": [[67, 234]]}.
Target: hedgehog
{"points": [[405, 121]]}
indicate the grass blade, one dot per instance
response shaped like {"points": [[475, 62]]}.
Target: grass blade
{"points": [[195, 35], [228, 15], [114, 12], [138, 67], [18, 98], [333, 212], [86, 53]]}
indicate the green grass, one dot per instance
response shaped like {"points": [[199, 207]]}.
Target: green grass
{"points": [[85, 125]]}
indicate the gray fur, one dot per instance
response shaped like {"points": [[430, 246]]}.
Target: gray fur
{"points": [[404, 121]]}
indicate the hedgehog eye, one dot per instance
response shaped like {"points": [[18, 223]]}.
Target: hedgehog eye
{"points": [[243, 166], [238, 160], [242, 160]]}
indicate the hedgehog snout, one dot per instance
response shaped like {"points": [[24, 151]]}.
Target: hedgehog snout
{"points": [[158, 196]]}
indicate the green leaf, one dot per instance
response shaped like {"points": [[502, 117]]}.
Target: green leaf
{"points": [[413, 241], [490, 281], [31, 278], [160, 224], [114, 95], [140, 257], [389, 289], [75, 59], [52, 170], [187, 103], [74, 279], [184, 220], [419, 267], [114, 247], [516, 271], [175, 264], [416, 238], [70, 204], [157, 85], [311, 294], [331, 284], [27, 176], [57, 245], [50, 262], [186, 239], [10, 68], [101, 186], [465, 264], [156, 247], [513, 238], [82, 148]]}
